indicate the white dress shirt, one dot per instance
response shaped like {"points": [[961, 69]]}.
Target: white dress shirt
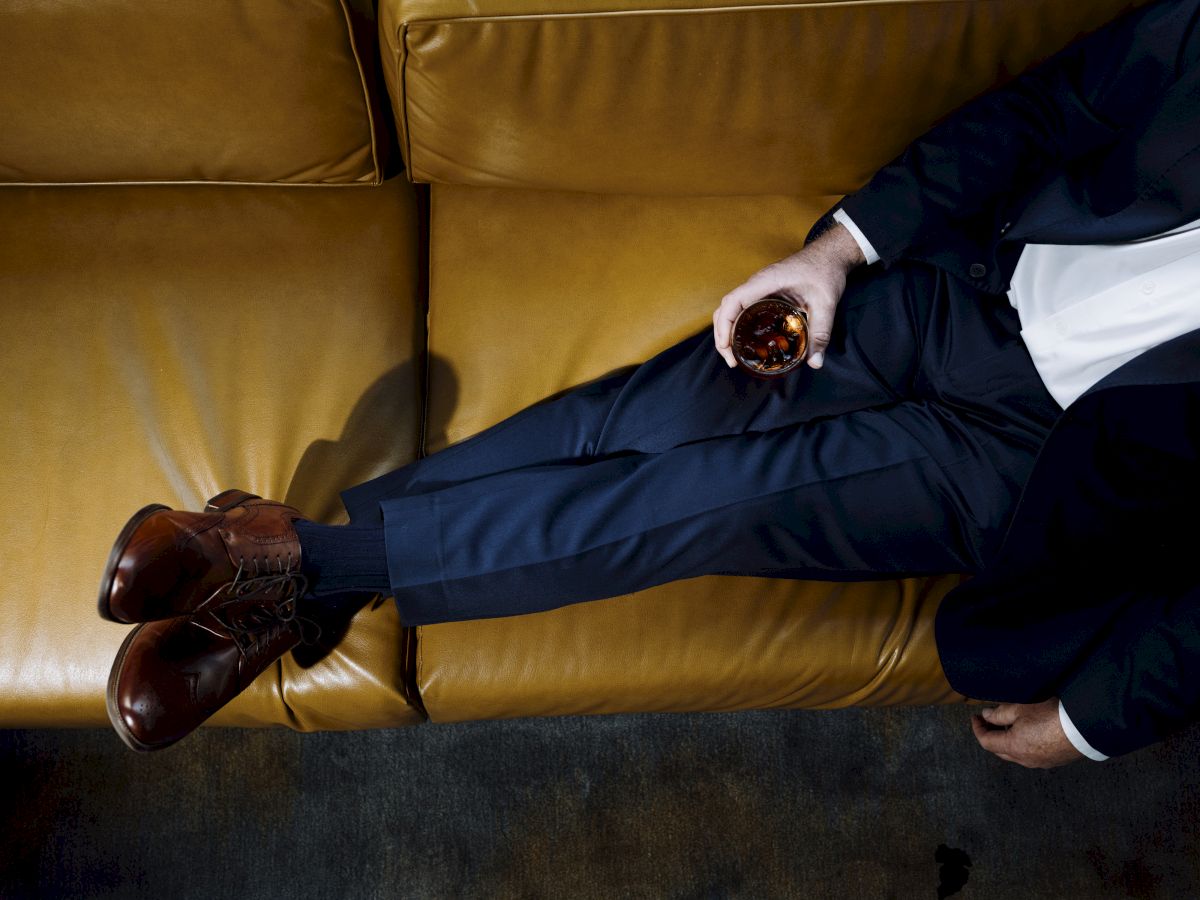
{"points": [[1087, 310]]}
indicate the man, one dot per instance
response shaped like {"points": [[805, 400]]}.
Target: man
{"points": [[928, 434]]}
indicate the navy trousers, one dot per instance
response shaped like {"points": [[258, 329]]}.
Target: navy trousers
{"points": [[905, 454]]}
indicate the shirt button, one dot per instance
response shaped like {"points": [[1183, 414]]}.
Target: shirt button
{"points": [[1148, 287], [977, 270]]}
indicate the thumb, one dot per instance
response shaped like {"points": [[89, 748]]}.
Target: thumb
{"points": [[820, 324]]}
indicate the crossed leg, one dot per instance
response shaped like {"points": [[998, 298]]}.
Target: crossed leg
{"points": [[904, 454]]}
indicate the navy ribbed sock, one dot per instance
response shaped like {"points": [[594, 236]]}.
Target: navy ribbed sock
{"points": [[340, 558]]}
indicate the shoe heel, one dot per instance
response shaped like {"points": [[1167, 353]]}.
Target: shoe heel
{"points": [[227, 500]]}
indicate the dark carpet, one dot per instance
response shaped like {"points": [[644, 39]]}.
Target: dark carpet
{"points": [[852, 803]]}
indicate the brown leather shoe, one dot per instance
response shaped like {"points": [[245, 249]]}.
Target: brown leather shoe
{"points": [[171, 675], [168, 563]]}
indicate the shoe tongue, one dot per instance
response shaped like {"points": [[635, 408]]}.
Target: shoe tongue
{"points": [[260, 537]]}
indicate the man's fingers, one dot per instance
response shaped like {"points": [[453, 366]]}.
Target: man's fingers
{"points": [[1000, 742], [721, 337], [994, 740], [979, 727], [732, 304], [754, 288], [723, 319], [1003, 715], [1028, 734]]}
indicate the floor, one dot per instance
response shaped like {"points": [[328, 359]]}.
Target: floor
{"points": [[850, 803]]}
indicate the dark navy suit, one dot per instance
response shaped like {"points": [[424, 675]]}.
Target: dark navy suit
{"points": [[1095, 596], [909, 451]]}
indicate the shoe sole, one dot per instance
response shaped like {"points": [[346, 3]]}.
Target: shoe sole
{"points": [[110, 700], [114, 559]]}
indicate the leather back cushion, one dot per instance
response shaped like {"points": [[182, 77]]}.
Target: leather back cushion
{"points": [[648, 97], [183, 90]]}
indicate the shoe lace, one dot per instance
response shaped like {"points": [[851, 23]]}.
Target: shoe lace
{"points": [[250, 624]]}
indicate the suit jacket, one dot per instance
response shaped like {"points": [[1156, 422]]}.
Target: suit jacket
{"points": [[1095, 594]]}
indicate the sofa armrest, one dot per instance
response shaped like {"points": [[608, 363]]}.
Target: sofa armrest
{"points": [[671, 97]]}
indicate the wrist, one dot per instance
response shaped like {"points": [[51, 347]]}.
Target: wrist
{"points": [[839, 246]]}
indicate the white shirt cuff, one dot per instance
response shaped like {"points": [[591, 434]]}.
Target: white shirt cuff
{"points": [[864, 245], [1077, 740]]}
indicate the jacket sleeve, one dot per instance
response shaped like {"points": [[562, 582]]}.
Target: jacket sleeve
{"points": [[1079, 100], [1095, 596], [1142, 682]]}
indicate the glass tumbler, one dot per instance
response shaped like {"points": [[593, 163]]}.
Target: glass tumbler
{"points": [[770, 337]]}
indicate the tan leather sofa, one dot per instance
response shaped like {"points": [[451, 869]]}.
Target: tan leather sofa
{"points": [[211, 277]]}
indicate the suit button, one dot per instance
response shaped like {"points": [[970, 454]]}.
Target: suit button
{"points": [[977, 270]]}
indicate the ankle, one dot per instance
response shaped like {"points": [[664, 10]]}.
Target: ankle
{"points": [[342, 558]]}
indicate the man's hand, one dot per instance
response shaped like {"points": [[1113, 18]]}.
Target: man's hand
{"points": [[815, 278], [1029, 734]]}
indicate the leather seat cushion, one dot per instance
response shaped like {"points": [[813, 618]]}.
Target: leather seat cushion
{"points": [[597, 282], [162, 344], [705, 644]]}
